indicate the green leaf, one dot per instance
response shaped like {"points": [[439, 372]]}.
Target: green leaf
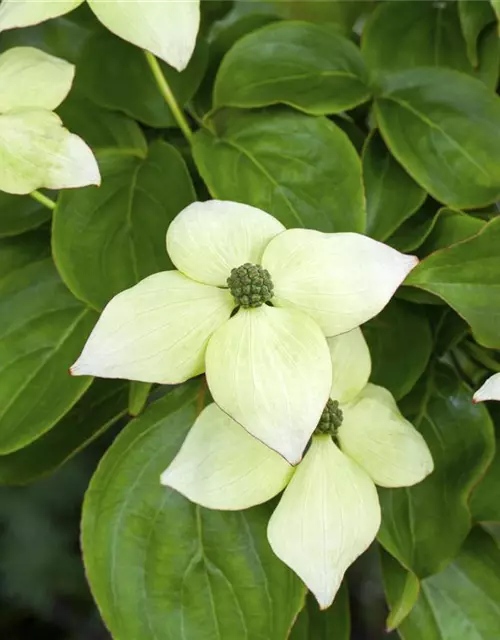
{"points": [[484, 504], [402, 588], [19, 214], [101, 406], [459, 603], [62, 37], [474, 15], [444, 128], [391, 195], [307, 66], [138, 397], [114, 74], [161, 566], [467, 277], [342, 14], [42, 331], [106, 240], [449, 228], [100, 128], [415, 230], [334, 623], [387, 337], [460, 437], [301, 169], [429, 231], [19, 252], [426, 34]]}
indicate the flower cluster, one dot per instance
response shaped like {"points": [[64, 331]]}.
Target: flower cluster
{"points": [[35, 149], [271, 316]]}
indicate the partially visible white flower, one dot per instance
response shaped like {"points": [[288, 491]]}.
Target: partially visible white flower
{"points": [[490, 390], [329, 513], [35, 149], [167, 28], [268, 367]]}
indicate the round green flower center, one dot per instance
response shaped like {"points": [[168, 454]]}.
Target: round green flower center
{"points": [[251, 285], [330, 420]]}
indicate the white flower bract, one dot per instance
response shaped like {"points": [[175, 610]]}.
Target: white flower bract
{"points": [[35, 149], [490, 390], [268, 367], [166, 28], [329, 513]]}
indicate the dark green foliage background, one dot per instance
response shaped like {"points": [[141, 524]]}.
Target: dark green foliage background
{"points": [[374, 117]]}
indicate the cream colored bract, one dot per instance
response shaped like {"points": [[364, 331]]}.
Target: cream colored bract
{"points": [[35, 149], [490, 390], [329, 513], [267, 367], [166, 28]]}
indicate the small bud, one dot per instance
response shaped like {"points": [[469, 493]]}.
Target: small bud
{"points": [[250, 285]]}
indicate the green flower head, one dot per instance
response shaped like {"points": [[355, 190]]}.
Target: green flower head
{"points": [[251, 305]]}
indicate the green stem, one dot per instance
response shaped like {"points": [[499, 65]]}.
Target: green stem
{"points": [[168, 96], [482, 357], [47, 202]]}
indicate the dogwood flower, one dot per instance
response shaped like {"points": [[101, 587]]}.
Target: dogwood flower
{"points": [[35, 149], [329, 513], [167, 28], [268, 367], [490, 390]]}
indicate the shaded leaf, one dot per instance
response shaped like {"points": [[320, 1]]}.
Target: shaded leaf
{"points": [[460, 437], [101, 406], [391, 195], [159, 565], [106, 240], [388, 335]]}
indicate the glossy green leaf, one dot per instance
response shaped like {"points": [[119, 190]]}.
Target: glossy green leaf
{"points": [[460, 602], [19, 252], [342, 14], [307, 66], [114, 74], [415, 230], [426, 34], [334, 623], [460, 437], [301, 169], [474, 15], [451, 227], [444, 128], [467, 277], [161, 566], [100, 128], [391, 195], [429, 231], [402, 588], [62, 37], [138, 397], [100, 407], [42, 330], [484, 503], [397, 360], [106, 240], [20, 213]]}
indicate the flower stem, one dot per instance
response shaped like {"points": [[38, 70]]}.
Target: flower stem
{"points": [[168, 96], [47, 202]]}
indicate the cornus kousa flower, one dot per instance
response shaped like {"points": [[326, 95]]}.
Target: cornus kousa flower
{"points": [[35, 149], [490, 389], [250, 304], [166, 28], [329, 513]]}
